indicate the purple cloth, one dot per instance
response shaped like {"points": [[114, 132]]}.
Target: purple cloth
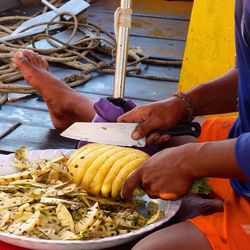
{"points": [[106, 111]]}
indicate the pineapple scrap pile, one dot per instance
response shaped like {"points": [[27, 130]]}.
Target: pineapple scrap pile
{"points": [[41, 201]]}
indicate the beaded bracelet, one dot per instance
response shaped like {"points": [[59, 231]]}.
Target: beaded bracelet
{"points": [[188, 104]]}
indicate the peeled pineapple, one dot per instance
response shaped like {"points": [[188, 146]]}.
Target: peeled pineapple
{"points": [[102, 169]]}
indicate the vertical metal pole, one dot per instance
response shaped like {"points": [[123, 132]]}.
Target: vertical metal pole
{"points": [[122, 55]]}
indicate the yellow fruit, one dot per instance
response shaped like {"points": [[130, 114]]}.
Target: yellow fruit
{"points": [[95, 166], [102, 169], [81, 153], [96, 185], [84, 149], [123, 174], [117, 166], [79, 166]]}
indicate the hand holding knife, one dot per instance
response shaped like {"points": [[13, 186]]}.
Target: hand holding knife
{"points": [[120, 133]]}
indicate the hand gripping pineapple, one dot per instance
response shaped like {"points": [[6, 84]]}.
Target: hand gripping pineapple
{"points": [[102, 169]]}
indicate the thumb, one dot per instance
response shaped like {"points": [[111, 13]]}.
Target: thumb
{"points": [[132, 182], [144, 129]]}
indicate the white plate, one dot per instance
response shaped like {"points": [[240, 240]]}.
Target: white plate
{"points": [[169, 207]]}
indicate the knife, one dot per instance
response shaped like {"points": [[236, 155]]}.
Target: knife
{"points": [[120, 133]]}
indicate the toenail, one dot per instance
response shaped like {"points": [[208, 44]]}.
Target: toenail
{"points": [[20, 54]]}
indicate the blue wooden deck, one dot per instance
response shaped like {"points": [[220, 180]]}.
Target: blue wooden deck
{"points": [[159, 28]]}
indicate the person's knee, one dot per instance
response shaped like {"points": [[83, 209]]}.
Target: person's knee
{"points": [[156, 241], [144, 245], [169, 238]]}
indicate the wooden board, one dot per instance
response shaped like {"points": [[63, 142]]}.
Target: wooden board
{"points": [[36, 138], [35, 131], [136, 89], [25, 116], [160, 48], [145, 26], [159, 8]]}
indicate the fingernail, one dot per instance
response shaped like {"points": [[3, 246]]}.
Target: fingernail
{"points": [[156, 137], [136, 135], [166, 138]]}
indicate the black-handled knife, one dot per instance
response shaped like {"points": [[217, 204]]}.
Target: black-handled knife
{"points": [[120, 133], [187, 128]]}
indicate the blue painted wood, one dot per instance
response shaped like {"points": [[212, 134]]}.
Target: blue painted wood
{"points": [[36, 132]]}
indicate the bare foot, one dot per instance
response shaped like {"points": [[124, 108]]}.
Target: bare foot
{"points": [[65, 105]]}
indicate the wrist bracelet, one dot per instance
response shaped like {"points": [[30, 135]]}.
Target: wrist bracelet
{"points": [[188, 105]]}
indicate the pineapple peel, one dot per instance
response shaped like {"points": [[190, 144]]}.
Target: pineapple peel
{"points": [[41, 201]]}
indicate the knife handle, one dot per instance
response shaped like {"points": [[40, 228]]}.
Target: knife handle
{"points": [[187, 128]]}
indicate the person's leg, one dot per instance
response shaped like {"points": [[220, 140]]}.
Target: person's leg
{"points": [[65, 105], [181, 236]]}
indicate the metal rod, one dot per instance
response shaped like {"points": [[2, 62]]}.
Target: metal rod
{"points": [[122, 55]]}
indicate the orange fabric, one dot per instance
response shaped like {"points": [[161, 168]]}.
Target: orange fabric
{"points": [[230, 229], [215, 129]]}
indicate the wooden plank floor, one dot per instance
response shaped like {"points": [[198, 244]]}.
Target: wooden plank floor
{"points": [[159, 28]]}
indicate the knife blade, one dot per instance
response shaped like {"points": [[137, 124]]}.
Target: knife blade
{"points": [[120, 133], [107, 133]]}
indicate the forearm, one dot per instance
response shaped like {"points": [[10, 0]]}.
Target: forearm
{"points": [[217, 96], [212, 159]]}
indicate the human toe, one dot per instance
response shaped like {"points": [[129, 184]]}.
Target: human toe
{"points": [[43, 62], [19, 59], [36, 59], [31, 56]]}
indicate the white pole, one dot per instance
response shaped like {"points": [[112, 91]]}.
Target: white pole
{"points": [[122, 52]]}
